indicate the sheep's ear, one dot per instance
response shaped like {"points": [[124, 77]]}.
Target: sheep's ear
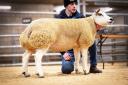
{"points": [[97, 11]]}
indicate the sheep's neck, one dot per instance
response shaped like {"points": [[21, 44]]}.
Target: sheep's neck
{"points": [[98, 27]]}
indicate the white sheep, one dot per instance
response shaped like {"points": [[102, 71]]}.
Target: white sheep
{"points": [[61, 35]]}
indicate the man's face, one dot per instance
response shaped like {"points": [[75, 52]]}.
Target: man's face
{"points": [[72, 7]]}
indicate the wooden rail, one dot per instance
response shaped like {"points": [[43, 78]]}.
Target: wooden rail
{"points": [[116, 36]]}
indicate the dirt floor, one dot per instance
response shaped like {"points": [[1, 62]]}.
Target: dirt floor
{"points": [[116, 74]]}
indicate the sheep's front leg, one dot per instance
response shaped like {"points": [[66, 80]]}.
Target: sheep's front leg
{"points": [[25, 60], [77, 60], [38, 61], [85, 60]]}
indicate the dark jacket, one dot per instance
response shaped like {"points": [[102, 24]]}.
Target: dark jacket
{"points": [[63, 15]]}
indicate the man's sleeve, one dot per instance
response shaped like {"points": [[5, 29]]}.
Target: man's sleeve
{"points": [[71, 52]]}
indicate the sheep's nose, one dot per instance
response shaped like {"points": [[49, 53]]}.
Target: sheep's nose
{"points": [[111, 19]]}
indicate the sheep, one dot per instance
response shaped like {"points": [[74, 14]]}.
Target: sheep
{"points": [[53, 34]]}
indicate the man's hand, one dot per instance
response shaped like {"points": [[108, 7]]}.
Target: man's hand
{"points": [[66, 56]]}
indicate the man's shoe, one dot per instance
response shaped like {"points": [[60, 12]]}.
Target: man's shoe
{"points": [[95, 70]]}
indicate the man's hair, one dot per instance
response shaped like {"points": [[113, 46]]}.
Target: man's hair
{"points": [[67, 2]]}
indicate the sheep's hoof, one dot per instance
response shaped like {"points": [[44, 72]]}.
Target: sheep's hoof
{"points": [[77, 71], [85, 73], [39, 75], [25, 75]]}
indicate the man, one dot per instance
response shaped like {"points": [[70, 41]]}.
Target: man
{"points": [[70, 11]]}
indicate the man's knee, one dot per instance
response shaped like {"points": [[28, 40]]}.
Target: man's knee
{"points": [[67, 67]]}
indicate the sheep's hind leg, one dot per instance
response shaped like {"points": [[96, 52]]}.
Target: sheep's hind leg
{"points": [[38, 62], [25, 60]]}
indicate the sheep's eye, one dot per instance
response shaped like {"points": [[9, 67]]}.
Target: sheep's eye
{"points": [[100, 14]]}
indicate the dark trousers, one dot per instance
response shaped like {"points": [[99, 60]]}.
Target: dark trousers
{"points": [[93, 55]]}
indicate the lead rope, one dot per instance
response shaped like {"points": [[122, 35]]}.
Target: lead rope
{"points": [[101, 41]]}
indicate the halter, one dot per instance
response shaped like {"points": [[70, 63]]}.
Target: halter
{"points": [[98, 27]]}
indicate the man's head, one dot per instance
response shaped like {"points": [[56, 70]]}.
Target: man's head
{"points": [[71, 5], [67, 2]]}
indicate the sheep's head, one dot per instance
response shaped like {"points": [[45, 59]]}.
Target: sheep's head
{"points": [[101, 18]]}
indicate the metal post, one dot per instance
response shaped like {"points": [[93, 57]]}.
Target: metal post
{"points": [[78, 7], [84, 7]]}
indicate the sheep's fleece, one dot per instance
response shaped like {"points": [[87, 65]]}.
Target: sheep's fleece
{"points": [[58, 34]]}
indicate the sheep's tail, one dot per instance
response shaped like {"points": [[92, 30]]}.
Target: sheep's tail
{"points": [[27, 32], [24, 38]]}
